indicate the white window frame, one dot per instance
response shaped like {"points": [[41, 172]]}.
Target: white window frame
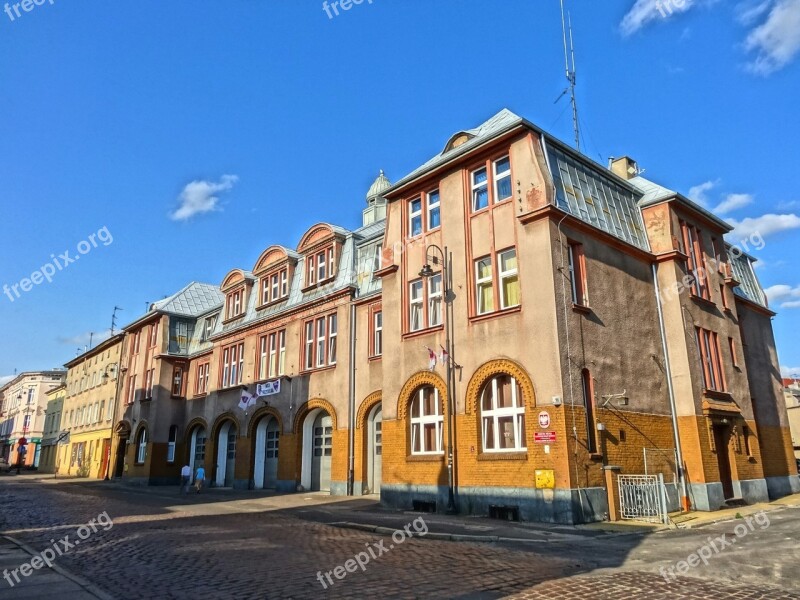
{"points": [[516, 412], [418, 423], [262, 357], [477, 187], [284, 283], [431, 206], [377, 333], [322, 266], [415, 214], [507, 274], [308, 361], [311, 272], [435, 301], [141, 451], [484, 285], [332, 335], [498, 177], [171, 443], [418, 303], [321, 332], [265, 290]]}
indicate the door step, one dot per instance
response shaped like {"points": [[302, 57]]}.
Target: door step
{"points": [[735, 502]]}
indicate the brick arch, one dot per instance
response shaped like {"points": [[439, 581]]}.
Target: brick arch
{"points": [[366, 406], [416, 381], [260, 414], [308, 407], [226, 416], [142, 425], [501, 366], [192, 424]]}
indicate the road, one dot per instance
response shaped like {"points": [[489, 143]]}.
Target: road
{"points": [[248, 545]]}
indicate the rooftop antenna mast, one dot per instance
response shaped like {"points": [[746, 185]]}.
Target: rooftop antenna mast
{"points": [[569, 56], [114, 319]]}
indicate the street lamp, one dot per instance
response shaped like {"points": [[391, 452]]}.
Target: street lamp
{"points": [[435, 255]]}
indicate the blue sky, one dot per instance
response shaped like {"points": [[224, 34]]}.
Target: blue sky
{"points": [[194, 134]]}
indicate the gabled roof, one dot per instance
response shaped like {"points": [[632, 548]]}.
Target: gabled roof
{"points": [[193, 300]]}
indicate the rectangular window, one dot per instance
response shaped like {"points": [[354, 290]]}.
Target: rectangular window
{"points": [[692, 247], [136, 342], [415, 217], [263, 371], [311, 272], [153, 332], [415, 306], [722, 296], [588, 402], [480, 189], [173, 438], [322, 265], [332, 334], [177, 382], [711, 360], [202, 378], [434, 218], [282, 352], [509, 279], [331, 270], [208, 327], [435, 300], [484, 295], [148, 385], [234, 304], [577, 275], [275, 287], [232, 365], [265, 290], [502, 179], [377, 333], [747, 446], [284, 283], [309, 345], [321, 342]]}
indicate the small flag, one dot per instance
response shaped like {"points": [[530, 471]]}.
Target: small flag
{"points": [[432, 359], [247, 400], [444, 356]]}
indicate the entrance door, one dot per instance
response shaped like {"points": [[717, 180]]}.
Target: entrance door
{"points": [[226, 455], [230, 464], [721, 437], [119, 465], [322, 450], [375, 448], [105, 458], [265, 465]]}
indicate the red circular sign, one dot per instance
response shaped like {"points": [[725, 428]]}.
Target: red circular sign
{"points": [[22, 442]]}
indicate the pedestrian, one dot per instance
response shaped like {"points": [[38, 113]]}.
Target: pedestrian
{"points": [[199, 478], [186, 478]]}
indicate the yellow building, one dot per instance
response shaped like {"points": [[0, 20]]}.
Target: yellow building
{"points": [[92, 385], [52, 428]]}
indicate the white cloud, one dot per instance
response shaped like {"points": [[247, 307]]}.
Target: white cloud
{"points": [[763, 226], [4, 379], [698, 192], [733, 202], [748, 12], [776, 41], [83, 339], [790, 372], [200, 197], [644, 11], [784, 295]]}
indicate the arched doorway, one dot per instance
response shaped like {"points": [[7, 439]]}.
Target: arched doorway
{"points": [[197, 448], [317, 451], [265, 469], [374, 449], [226, 454]]}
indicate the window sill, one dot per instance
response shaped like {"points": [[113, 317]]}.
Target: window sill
{"points": [[232, 319], [727, 310], [581, 308], [421, 332], [703, 301], [717, 395], [521, 454], [425, 457], [317, 284], [376, 357], [198, 396], [272, 303], [318, 369], [497, 313], [595, 456]]}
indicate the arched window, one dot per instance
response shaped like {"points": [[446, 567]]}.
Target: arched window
{"points": [[141, 446], [426, 421], [173, 437], [502, 415]]}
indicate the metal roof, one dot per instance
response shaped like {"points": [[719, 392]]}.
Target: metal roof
{"points": [[193, 300]]}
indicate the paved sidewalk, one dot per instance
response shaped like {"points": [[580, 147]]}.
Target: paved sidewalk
{"points": [[43, 583]]}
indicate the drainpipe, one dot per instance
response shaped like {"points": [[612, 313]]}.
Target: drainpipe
{"points": [[673, 408], [352, 404]]}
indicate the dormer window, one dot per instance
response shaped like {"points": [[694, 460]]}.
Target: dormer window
{"points": [[274, 286], [321, 266], [234, 305]]}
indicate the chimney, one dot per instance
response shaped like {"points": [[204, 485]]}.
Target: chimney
{"points": [[624, 167]]}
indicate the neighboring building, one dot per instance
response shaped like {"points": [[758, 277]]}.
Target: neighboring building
{"points": [[84, 449], [52, 428], [587, 302], [791, 392], [24, 401]]}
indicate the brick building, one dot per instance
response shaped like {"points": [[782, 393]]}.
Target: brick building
{"points": [[600, 323]]}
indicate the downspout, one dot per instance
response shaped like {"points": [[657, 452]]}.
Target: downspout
{"points": [[672, 406], [352, 404]]}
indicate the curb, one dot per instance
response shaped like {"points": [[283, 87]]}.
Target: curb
{"points": [[87, 585]]}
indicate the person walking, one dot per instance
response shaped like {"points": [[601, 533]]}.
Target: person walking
{"points": [[186, 478], [199, 478]]}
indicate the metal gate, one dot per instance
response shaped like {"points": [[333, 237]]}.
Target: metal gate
{"points": [[643, 498]]}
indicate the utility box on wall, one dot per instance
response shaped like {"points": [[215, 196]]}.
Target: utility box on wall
{"points": [[545, 479]]}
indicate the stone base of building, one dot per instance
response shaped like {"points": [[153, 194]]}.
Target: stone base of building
{"points": [[563, 506], [783, 486], [709, 496]]}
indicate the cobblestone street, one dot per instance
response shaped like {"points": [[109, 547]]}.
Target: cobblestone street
{"points": [[212, 546]]}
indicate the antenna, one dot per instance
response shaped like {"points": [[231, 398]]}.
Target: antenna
{"points": [[570, 72], [91, 335], [114, 319]]}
